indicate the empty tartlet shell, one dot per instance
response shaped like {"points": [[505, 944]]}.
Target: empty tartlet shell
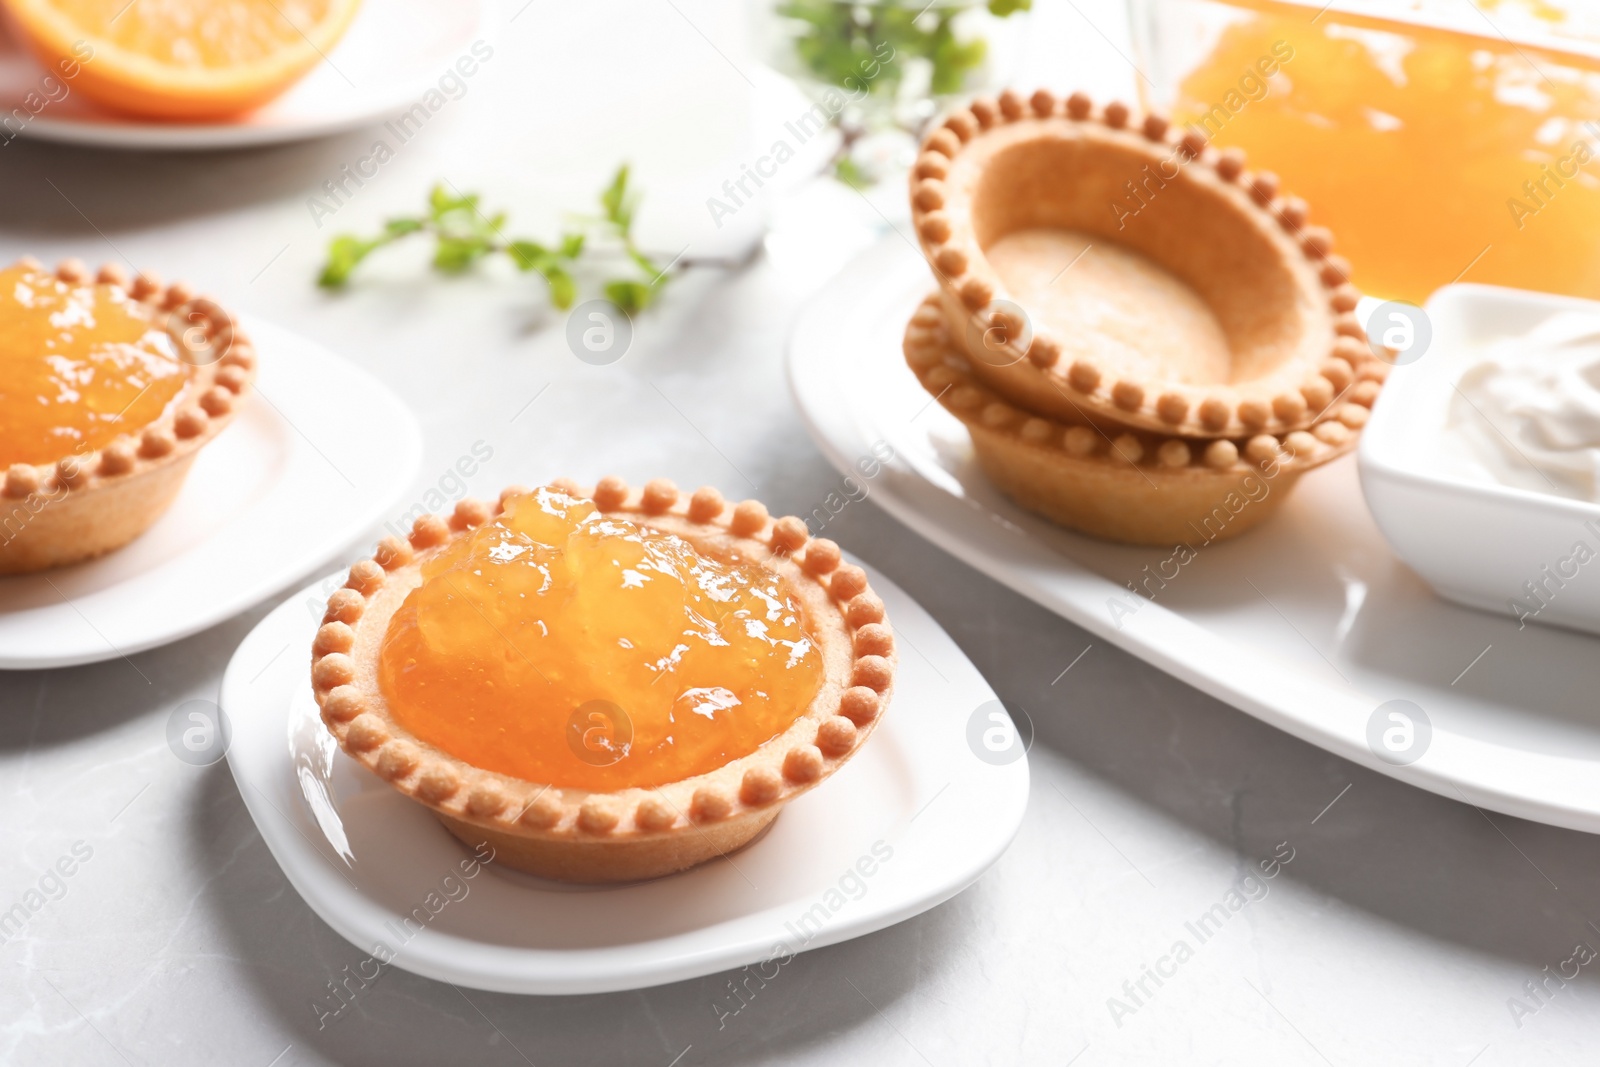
{"points": [[1128, 486], [624, 835], [90, 503], [1234, 224]]}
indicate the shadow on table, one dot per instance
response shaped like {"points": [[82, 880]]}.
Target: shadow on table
{"points": [[61, 190], [1445, 869], [400, 1017], [102, 696]]}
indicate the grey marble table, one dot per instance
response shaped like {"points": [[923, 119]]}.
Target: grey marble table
{"points": [[1399, 927]]}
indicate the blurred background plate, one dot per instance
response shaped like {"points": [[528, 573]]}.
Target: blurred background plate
{"points": [[317, 453], [394, 52]]}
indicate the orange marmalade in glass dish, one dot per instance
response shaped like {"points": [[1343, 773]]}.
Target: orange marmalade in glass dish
{"points": [[1437, 150], [80, 365], [561, 645]]}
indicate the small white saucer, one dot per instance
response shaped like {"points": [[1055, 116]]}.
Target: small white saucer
{"points": [[394, 52], [318, 452], [914, 819]]}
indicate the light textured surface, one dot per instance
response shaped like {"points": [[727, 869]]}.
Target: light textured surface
{"points": [[1399, 932]]}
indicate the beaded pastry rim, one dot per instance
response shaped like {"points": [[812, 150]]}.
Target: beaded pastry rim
{"points": [[814, 746], [944, 371], [204, 405], [962, 269]]}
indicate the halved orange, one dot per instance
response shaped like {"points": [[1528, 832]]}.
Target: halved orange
{"points": [[184, 60]]}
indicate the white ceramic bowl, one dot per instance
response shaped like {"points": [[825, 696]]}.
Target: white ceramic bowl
{"points": [[1476, 542]]}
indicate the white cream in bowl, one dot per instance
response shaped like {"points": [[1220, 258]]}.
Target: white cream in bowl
{"points": [[1481, 462], [1527, 413]]}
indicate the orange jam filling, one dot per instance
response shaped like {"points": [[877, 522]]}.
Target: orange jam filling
{"points": [[557, 644], [1433, 155], [80, 365]]}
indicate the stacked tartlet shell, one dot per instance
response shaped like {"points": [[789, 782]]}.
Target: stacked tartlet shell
{"points": [[1131, 486], [90, 503], [581, 835], [1102, 448]]}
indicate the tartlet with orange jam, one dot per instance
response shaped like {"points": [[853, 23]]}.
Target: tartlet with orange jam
{"points": [[604, 686], [109, 388]]}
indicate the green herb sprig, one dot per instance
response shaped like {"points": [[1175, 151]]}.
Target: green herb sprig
{"points": [[836, 37], [464, 235], [838, 42]]}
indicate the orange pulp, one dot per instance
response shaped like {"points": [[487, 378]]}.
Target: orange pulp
{"points": [[563, 646], [79, 366], [186, 60]]}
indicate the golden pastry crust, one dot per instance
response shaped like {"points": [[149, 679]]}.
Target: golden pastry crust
{"points": [[1124, 485], [628, 834], [1239, 247], [90, 503]]}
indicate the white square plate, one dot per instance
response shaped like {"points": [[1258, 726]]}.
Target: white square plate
{"points": [[908, 823]]}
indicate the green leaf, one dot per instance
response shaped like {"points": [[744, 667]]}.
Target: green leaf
{"points": [[850, 172], [563, 290], [828, 42], [1002, 8], [954, 59], [571, 246], [630, 296], [455, 254], [345, 252], [440, 201], [401, 227], [616, 202], [644, 263], [527, 254]]}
